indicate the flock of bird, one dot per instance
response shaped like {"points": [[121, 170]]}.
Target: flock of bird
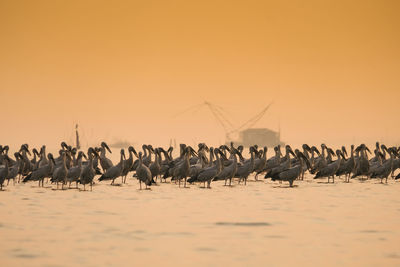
{"points": [[204, 165]]}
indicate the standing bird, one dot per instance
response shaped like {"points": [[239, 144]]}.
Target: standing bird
{"points": [[155, 167], [60, 173], [75, 172], [42, 172], [362, 164], [89, 172], [182, 170], [243, 171], [115, 171], [331, 169], [128, 163], [208, 174], [347, 167], [4, 172], [260, 163], [229, 171], [295, 172], [143, 172], [105, 162], [27, 168], [385, 169], [13, 172]]}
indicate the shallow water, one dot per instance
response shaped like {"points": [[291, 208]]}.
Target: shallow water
{"points": [[263, 223]]}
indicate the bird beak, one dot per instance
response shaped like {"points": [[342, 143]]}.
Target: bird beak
{"points": [[106, 146], [193, 152], [345, 151]]}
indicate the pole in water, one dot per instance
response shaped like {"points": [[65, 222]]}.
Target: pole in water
{"points": [[78, 145]]}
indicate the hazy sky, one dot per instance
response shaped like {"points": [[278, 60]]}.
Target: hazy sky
{"points": [[122, 70]]}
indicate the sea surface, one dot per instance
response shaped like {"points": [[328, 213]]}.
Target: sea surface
{"points": [[261, 224]]}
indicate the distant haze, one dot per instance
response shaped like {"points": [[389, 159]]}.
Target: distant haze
{"points": [[123, 70]]}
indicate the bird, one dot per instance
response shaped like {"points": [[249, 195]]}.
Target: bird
{"points": [[60, 173], [362, 163], [293, 173], [42, 172], [284, 164], [89, 172], [182, 169], [331, 169], [74, 173], [154, 166], [42, 157], [319, 162], [347, 167], [244, 170], [4, 172], [260, 163], [115, 171], [206, 175], [27, 167], [195, 169], [384, 170], [229, 171], [128, 163], [13, 172], [105, 162], [143, 172]]}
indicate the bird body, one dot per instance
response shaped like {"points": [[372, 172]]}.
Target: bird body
{"points": [[3, 173], [330, 169], [115, 171], [143, 172], [42, 172]]}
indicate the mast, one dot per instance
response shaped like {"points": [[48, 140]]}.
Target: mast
{"points": [[78, 145]]}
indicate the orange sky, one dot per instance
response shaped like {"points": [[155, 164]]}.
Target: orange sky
{"points": [[124, 69]]}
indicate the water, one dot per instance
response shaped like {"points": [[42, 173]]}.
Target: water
{"points": [[263, 223]]}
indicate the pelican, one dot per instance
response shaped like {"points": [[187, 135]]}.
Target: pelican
{"points": [[104, 161], [42, 172], [143, 172], [115, 171], [89, 172]]}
